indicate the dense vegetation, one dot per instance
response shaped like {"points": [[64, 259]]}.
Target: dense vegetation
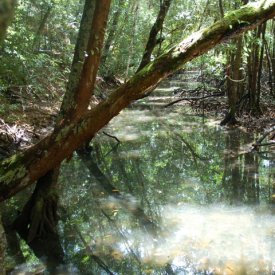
{"points": [[59, 59]]}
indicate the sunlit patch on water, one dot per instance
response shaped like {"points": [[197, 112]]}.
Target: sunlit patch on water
{"points": [[217, 239], [217, 236]]}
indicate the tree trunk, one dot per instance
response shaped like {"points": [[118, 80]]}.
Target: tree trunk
{"points": [[6, 12], [37, 38], [260, 65], [253, 74], [84, 34], [77, 98], [2, 248], [38, 220], [133, 36], [270, 72], [221, 8], [152, 40], [112, 31], [273, 57], [22, 169], [234, 82]]}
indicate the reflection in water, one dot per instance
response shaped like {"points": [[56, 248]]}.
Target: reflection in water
{"points": [[176, 196]]}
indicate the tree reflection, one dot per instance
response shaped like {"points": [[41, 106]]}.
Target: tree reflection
{"points": [[123, 207]]}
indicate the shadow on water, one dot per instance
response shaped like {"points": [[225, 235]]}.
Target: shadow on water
{"points": [[176, 196]]}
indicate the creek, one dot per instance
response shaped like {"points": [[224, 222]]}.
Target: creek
{"points": [[178, 195]]}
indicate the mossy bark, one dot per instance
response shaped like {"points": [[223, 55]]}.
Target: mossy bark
{"points": [[152, 40], [49, 152]]}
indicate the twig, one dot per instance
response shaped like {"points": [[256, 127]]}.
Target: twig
{"points": [[259, 143], [111, 136], [266, 144], [265, 135], [192, 98]]}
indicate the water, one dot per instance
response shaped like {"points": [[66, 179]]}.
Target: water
{"points": [[178, 195]]}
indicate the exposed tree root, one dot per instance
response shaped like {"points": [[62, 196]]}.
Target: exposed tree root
{"points": [[37, 223]]}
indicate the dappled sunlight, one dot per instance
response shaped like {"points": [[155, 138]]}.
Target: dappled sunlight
{"points": [[216, 238]]}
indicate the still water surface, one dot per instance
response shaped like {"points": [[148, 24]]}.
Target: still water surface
{"points": [[178, 195]]}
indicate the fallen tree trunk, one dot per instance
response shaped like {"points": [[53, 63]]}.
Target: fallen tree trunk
{"points": [[23, 169]]}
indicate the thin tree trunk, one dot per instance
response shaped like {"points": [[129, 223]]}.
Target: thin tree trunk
{"points": [[253, 70], [273, 56], [260, 65], [22, 169], [221, 8], [36, 41], [111, 33], [203, 15], [6, 14], [131, 47], [152, 40], [269, 63]]}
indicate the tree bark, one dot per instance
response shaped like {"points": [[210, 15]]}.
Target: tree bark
{"points": [[234, 82], [152, 40], [221, 8], [6, 13], [2, 248], [82, 92], [22, 169], [263, 29], [253, 73]]}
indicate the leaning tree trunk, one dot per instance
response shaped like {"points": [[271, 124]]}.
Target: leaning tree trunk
{"points": [[22, 169]]}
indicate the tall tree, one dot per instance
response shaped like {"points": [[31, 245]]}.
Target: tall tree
{"points": [[153, 36], [234, 81], [111, 32], [24, 168], [254, 63]]}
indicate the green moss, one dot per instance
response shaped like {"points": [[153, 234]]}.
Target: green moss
{"points": [[12, 160], [13, 174], [63, 132]]}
